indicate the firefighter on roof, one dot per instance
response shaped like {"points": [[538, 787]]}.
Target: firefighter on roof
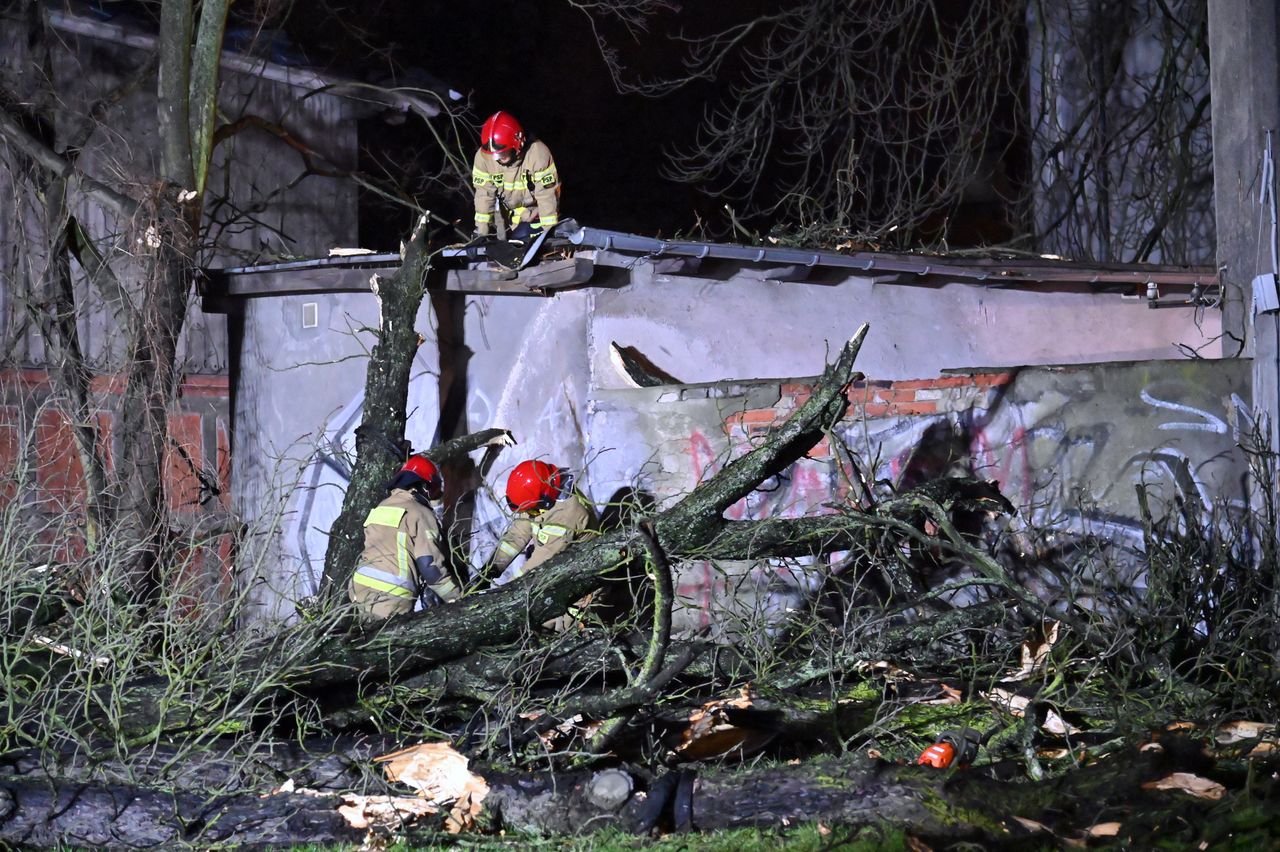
{"points": [[514, 177], [402, 558]]}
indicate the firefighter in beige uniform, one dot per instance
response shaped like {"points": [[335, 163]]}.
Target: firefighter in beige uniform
{"points": [[524, 180], [402, 554], [550, 515]]}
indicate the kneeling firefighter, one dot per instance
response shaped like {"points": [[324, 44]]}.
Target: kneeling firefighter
{"points": [[402, 558]]}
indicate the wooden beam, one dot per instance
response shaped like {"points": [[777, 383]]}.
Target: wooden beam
{"points": [[223, 289], [531, 281]]}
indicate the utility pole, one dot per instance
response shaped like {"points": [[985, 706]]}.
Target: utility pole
{"points": [[1245, 80]]}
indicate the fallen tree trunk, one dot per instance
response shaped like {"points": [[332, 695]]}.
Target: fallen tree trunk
{"points": [[405, 645], [848, 791], [342, 667], [51, 813], [330, 764], [854, 790]]}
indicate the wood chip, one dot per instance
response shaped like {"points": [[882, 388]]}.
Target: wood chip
{"points": [[1032, 825], [1016, 705], [950, 695], [710, 734], [1055, 724], [1186, 782], [1104, 829], [1053, 753], [1010, 702], [1035, 653], [440, 775], [389, 812], [1234, 732]]}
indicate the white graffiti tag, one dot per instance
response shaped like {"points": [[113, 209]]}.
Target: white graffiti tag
{"points": [[1210, 424]]}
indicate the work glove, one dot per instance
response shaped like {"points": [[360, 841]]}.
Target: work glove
{"points": [[472, 248]]}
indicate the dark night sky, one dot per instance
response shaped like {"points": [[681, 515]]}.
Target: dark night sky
{"points": [[539, 60]]}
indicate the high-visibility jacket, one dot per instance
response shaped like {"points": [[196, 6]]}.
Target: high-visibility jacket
{"points": [[529, 188], [570, 519], [397, 532]]}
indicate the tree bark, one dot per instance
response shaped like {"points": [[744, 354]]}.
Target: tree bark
{"points": [[845, 792], [380, 448], [38, 813], [849, 791], [150, 382]]}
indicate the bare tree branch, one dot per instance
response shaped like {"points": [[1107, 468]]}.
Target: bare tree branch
{"points": [[11, 129]]}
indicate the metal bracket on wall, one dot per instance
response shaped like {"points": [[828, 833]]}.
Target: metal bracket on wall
{"points": [[1266, 298]]}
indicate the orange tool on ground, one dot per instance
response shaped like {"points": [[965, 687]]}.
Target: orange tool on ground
{"points": [[957, 747]]}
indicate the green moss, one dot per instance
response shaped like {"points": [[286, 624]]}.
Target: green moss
{"points": [[231, 726], [862, 691], [803, 838], [951, 814], [931, 719]]}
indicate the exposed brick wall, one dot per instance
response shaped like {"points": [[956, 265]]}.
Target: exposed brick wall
{"points": [[820, 479], [871, 399], [1065, 444], [10, 445], [39, 465]]}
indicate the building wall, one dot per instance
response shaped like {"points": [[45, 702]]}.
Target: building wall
{"points": [[299, 402], [1121, 147], [259, 204], [40, 469], [540, 367], [1067, 445], [701, 330]]}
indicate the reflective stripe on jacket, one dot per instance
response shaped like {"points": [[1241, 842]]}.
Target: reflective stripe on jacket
{"points": [[397, 532], [569, 520]]}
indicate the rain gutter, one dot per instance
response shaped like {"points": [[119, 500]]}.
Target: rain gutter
{"points": [[992, 271]]}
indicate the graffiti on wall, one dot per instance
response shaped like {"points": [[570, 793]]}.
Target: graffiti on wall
{"points": [[1067, 447], [539, 399]]}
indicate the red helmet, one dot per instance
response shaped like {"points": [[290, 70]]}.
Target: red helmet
{"points": [[502, 136], [425, 468], [533, 485]]}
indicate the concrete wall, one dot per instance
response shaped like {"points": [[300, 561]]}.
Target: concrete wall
{"points": [[702, 330], [1066, 445], [539, 366], [299, 402]]}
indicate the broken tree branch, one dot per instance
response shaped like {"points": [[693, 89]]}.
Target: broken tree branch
{"points": [[664, 597], [412, 643], [43, 156], [380, 448]]}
